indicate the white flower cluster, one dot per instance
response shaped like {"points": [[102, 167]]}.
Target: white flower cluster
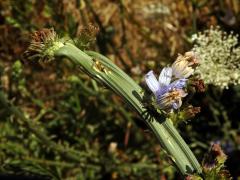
{"points": [[219, 56]]}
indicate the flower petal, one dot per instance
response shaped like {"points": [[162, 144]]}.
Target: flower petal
{"points": [[162, 90], [178, 84], [165, 76], [152, 82]]}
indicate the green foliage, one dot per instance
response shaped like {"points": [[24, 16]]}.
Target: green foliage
{"points": [[78, 115]]}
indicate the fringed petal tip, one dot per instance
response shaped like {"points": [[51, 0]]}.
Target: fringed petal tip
{"points": [[152, 82], [165, 76]]}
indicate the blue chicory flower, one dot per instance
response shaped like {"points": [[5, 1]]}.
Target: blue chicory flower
{"points": [[168, 95]]}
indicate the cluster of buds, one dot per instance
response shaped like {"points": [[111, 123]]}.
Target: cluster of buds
{"points": [[184, 65], [213, 165], [190, 112], [198, 85], [214, 158], [169, 93], [43, 45]]}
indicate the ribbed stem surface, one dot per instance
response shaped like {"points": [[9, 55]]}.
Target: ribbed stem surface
{"points": [[103, 70]]}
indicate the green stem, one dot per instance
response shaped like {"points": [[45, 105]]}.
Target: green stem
{"points": [[103, 70]]}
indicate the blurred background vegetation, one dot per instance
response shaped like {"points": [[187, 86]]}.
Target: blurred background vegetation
{"points": [[82, 118]]}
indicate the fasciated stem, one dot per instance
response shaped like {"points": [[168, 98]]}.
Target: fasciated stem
{"points": [[103, 70]]}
